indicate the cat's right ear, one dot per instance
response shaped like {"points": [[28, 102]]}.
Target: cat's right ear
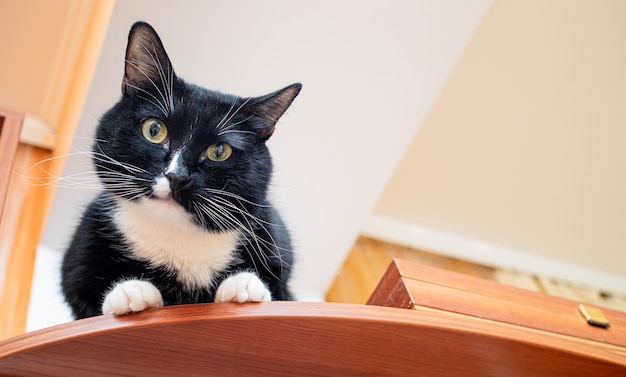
{"points": [[147, 68], [271, 107]]}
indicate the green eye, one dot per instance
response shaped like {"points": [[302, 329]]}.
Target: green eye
{"points": [[219, 152], [154, 130]]}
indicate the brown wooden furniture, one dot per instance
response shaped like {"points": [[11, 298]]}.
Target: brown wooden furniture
{"points": [[304, 339], [423, 288]]}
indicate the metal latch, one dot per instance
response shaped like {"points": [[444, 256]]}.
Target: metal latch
{"points": [[594, 316]]}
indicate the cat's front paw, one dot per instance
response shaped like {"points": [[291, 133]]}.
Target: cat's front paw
{"points": [[131, 296], [242, 287]]}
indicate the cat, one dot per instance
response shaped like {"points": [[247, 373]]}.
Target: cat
{"points": [[183, 216]]}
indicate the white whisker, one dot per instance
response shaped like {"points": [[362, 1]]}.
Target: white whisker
{"points": [[235, 132], [108, 159], [218, 207], [164, 79], [227, 120], [155, 101], [234, 196], [219, 213]]}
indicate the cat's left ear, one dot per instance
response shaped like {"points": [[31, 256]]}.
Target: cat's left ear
{"points": [[271, 107]]}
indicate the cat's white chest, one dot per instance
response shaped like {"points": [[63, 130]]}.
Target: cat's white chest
{"points": [[162, 234]]}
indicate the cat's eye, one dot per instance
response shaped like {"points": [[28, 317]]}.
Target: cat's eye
{"points": [[154, 130], [219, 152]]}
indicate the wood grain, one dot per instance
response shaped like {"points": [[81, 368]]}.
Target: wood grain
{"points": [[423, 286], [297, 338]]}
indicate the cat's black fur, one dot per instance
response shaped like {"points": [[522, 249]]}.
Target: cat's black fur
{"points": [[217, 196]]}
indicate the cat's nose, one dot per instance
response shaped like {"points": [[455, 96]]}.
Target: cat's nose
{"points": [[177, 181]]}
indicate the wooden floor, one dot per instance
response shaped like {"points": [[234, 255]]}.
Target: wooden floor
{"points": [[369, 259]]}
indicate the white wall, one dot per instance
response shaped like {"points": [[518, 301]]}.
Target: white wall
{"points": [[371, 71]]}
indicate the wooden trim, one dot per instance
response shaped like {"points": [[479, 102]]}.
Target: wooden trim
{"points": [[37, 133], [391, 290], [20, 229], [299, 338], [10, 128]]}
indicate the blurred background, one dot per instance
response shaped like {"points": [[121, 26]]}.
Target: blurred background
{"points": [[484, 136]]}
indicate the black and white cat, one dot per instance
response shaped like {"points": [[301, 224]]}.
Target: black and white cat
{"points": [[184, 215]]}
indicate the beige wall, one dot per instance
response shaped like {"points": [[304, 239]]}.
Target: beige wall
{"points": [[526, 145], [40, 42]]}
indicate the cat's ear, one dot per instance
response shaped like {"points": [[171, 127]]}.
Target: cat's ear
{"points": [[271, 107], [147, 66]]}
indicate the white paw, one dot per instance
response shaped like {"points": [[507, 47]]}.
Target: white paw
{"points": [[242, 287], [131, 296]]}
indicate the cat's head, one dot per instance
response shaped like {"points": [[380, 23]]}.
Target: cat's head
{"points": [[171, 141]]}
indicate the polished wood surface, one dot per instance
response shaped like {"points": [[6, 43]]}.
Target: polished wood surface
{"points": [[414, 286], [297, 339]]}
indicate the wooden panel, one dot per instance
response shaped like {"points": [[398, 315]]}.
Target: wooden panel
{"points": [[297, 339], [433, 288], [10, 126]]}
